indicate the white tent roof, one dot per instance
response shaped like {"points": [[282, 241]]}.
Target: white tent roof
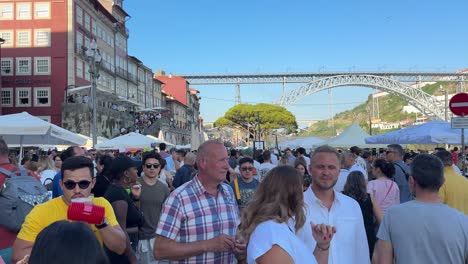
{"points": [[28, 130], [130, 140], [354, 135], [306, 142], [434, 132]]}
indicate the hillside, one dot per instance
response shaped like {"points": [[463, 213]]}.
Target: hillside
{"points": [[390, 110]]}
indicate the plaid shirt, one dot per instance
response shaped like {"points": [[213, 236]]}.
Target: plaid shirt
{"points": [[191, 214]]}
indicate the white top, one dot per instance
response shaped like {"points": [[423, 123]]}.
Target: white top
{"points": [[47, 174], [356, 167], [361, 162], [349, 244], [339, 185], [274, 159], [264, 169], [271, 233]]}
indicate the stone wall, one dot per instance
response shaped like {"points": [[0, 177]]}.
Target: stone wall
{"points": [[77, 117]]}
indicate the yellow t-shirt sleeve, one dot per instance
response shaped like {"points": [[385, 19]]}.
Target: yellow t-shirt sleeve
{"points": [[109, 211], [32, 224]]}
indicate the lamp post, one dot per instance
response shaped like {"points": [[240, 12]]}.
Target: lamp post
{"points": [[93, 56]]}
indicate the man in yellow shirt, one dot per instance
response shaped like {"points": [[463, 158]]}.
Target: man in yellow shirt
{"points": [[454, 191], [77, 182]]}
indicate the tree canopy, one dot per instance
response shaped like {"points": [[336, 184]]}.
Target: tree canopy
{"points": [[244, 116]]}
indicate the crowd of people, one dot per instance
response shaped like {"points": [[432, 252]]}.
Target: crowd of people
{"points": [[216, 205]]}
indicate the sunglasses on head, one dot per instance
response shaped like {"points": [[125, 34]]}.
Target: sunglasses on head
{"points": [[70, 185], [155, 165], [247, 169]]}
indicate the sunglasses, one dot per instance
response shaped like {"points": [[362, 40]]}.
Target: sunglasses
{"points": [[70, 185], [388, 151], [247, 169], [155, 165]]}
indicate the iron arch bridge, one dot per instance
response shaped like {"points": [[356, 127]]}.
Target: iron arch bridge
{"points": [[391, 82], [423, 101]]}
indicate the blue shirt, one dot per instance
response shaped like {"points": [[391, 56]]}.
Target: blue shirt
{"points": [[56, 190], [170, 166]]}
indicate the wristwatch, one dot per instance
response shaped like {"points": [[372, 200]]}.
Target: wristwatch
{"points": [[103, 224]]}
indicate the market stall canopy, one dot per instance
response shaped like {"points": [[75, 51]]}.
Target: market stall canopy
{"points": [[306, 142], [24, 129], [353, 135], [130, 140], [434, 132]]}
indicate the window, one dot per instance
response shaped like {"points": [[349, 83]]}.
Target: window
{"points": [[6, 11], [42, 66], [42, 11], [42, 96], [7, 67], [79, 42], [23, 66], [23, 11], [42, 37], [79, 68], [23, 96], [7, 97], [86, 72], [79, 15], [93, 27], [8, 37], [23, 38], [87, 22]]}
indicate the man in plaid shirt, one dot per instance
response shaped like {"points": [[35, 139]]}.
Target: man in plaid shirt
{"points": [[199, 219]]}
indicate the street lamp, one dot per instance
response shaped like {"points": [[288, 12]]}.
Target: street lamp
{"points": [[93, 56]]}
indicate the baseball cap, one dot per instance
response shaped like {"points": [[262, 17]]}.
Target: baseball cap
{"points": [[122, 163]]}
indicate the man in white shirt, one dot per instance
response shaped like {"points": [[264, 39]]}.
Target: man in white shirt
{"points": [[266, 166], [301, 152], [351, 165], [342, 177], [324, 205], [356, 151]]}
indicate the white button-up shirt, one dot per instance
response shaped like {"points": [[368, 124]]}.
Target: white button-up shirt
{"points": [[349, 244]]}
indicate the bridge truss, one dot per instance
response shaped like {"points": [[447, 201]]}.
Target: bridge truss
{"points": [[391, 82]]}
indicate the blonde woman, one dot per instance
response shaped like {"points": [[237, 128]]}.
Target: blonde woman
{"points": [[272, 218], [47, 168]]}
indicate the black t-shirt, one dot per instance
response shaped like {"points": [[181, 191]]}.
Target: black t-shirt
{"points": [[117, 193], [134, 218], [100, 188]]}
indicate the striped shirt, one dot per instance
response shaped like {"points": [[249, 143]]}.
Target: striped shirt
{"points": [[191, 214]]}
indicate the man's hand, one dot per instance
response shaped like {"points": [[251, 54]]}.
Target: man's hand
{"points": [[220, 243]]}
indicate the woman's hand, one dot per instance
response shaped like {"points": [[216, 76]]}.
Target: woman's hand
{"points": [[136, 191], [322, 234]]}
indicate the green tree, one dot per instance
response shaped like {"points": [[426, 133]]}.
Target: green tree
{"points": [[247, 116]]}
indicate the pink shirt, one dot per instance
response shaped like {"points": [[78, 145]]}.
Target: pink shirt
{"points": [[385, 192]]}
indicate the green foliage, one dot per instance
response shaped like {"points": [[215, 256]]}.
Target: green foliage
{"points": [[245, 116], [390, 110]]}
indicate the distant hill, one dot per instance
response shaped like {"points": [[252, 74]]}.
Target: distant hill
{"points": [[390, 110]]}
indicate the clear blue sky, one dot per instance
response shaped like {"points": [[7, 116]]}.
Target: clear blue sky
{"points": [[219, 37]]}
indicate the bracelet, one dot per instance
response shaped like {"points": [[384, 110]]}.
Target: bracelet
{"points": [[323, 249]]}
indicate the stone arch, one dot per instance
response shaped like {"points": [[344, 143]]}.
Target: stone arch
{"points": [[423, 101]]}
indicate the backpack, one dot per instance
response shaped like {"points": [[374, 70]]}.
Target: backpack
{"points": [[18, 196]]}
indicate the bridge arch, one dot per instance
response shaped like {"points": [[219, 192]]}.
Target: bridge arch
{"points": [[423, 101]]}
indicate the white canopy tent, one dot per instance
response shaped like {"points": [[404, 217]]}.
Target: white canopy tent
{"points": [[130, 140], [160, 140], [23, 129], [353, 135], [307, 143], [434, 132]]}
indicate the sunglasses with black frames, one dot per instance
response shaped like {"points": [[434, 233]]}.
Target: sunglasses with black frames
{"points": [[70, 185], [155, 165]]}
